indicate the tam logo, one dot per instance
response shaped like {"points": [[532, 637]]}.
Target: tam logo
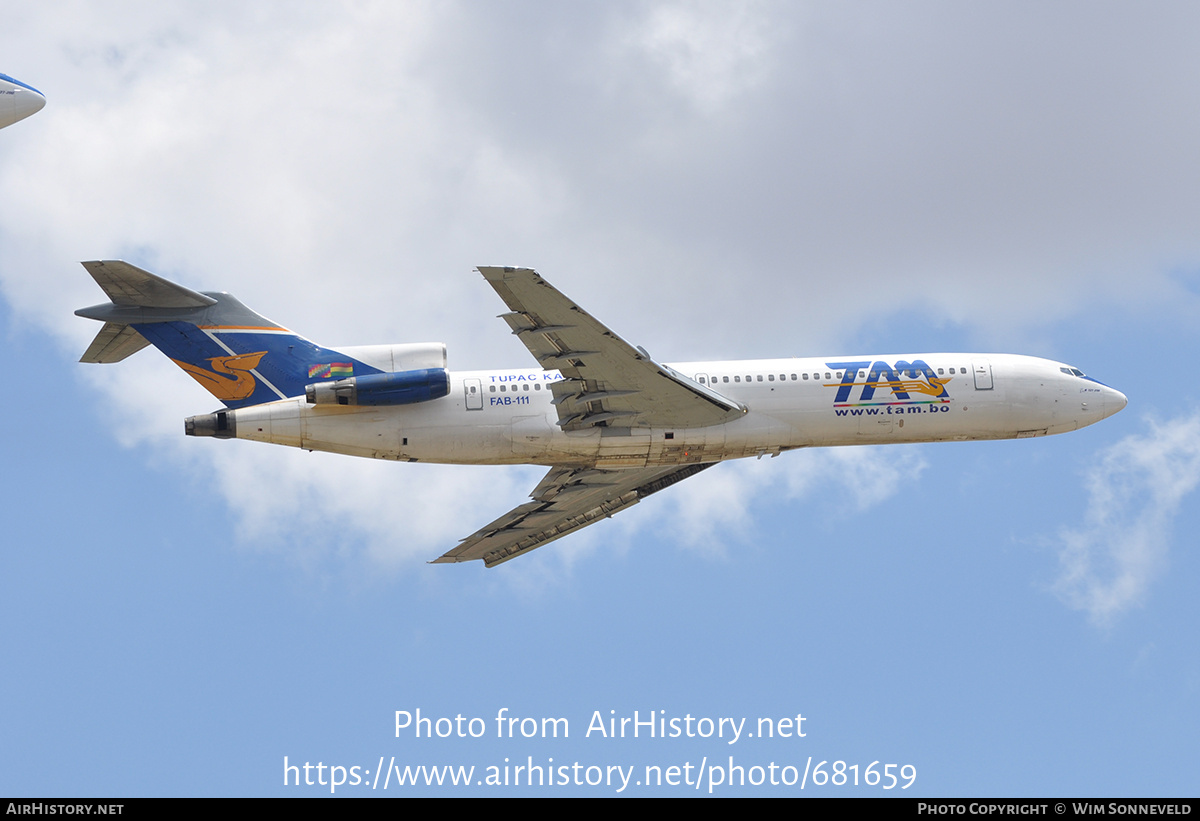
{"points": [[904, 379]]}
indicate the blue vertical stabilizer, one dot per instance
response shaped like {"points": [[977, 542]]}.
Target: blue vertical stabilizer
{"points": [[240, 357]]}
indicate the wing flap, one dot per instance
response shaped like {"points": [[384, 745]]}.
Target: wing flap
{"points": [[566, 500]]}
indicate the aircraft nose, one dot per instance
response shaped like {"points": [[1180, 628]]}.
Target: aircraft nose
{"points": [[1114, 401], [31, 102], [19, 104]]}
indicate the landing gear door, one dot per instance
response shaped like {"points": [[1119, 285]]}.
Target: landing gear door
{"points": [[983, 374], [474, 394]]}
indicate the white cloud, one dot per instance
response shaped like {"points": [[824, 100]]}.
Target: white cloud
{"points": [[716, 509], [710, 53], [1110, 561], [375, 514]]}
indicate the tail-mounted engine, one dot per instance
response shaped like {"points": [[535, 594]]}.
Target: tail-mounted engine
{"points": [[404, 388]]}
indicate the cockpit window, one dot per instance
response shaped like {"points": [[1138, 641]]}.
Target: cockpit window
{"points": [[1073, 372]]}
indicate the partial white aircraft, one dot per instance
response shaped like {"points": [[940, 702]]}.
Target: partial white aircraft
{"points": [[611, 423], [18, 100]]}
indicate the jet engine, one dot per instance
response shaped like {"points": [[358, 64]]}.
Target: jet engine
{"points": [[403, 388]]}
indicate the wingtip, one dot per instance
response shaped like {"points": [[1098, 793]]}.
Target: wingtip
{"points": [[499, 271]]}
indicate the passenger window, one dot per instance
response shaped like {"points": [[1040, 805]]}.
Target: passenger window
{"points": [[770, 377]]}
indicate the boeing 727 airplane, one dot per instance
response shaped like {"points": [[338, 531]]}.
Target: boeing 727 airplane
{"points": [[612, 425], [18, 100]]}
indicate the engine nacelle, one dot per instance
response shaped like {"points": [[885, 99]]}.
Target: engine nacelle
{"points": [[404, 388], [222, 425]]}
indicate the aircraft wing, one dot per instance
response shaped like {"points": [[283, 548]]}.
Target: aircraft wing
{"points": [[605, 379], [566, 500]]}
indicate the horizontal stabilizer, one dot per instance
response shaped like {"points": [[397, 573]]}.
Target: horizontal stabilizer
{"points": [[114, 343], [127, 284]]}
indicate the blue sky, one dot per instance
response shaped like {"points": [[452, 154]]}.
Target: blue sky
{"points": [[1011, 618]]}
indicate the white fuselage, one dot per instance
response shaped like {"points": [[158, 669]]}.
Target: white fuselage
{"points": [[507, 416]]}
